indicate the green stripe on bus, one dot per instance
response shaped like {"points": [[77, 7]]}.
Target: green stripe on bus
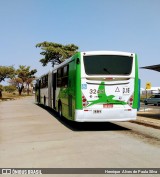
{"points": [[136, 89]]}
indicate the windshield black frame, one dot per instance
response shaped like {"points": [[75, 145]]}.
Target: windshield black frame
{"points": [[108, 64]]}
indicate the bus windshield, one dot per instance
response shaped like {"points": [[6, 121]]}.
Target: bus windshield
{"points": [[108, 65]]}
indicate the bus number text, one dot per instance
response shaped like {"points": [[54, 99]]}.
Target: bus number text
{"points": [[126, 90], [92, 91]]}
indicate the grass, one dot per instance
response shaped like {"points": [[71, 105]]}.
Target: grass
{"points": [[12, 96]]}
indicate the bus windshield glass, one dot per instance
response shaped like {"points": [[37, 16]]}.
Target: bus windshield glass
{"points": [[108, 65]]}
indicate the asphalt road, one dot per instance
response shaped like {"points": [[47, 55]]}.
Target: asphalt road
{"points": [[32, 136]]}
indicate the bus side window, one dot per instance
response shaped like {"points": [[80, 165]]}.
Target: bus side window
{"points": [[59, 77], [65, 76], [41, 83], [62, 77], [44, 81], [65, 71]]}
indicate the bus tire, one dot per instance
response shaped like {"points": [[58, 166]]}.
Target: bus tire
{"points": [[60, 109]]}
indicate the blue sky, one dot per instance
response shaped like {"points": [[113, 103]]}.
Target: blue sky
{"points": [[121, 25]]}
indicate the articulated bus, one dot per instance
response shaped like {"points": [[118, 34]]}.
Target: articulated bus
{"points": [[97, 86]]}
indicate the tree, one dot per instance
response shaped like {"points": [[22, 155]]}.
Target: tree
{"points": [[18, 83], [28, 82], [23, 76], [56, 53], [6, 72], [26, 75]]}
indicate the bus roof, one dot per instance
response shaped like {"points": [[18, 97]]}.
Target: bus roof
{"points": [[107, 52]]}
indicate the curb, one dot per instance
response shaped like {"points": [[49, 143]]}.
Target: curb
{"points": [[147, 124]]}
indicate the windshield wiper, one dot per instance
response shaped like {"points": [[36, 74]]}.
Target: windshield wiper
{"points": [[106, 70]]}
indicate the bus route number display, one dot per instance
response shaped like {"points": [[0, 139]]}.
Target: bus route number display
{"points": [[126, 90]]}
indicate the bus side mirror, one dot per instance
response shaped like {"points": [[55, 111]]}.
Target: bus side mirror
{"points": [[78, 61]]}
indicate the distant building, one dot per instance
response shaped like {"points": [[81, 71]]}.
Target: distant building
{"points": [[153, 90]]}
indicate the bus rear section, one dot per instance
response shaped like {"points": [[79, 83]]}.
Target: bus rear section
{"points": [[109, 87]]}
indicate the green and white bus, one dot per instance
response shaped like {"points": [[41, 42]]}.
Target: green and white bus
{"points": [[95, 86]]}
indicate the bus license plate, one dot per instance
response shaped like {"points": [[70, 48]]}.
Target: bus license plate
{"points": [[107, 105]]}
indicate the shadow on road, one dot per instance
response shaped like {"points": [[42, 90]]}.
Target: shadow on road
{"points": [[84, 126], [150, 115]]}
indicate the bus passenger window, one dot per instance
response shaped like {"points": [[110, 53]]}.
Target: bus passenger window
{"points": [[62, 77]]}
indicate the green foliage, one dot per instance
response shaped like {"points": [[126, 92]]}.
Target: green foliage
{"points": [[24, 73], [6, 72], [56, 53], [10, 88], [23, 76]]}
